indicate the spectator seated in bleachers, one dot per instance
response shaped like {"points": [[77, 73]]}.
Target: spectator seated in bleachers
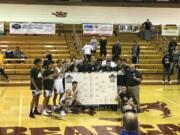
{"points": [[18, 54], [9, 53]]}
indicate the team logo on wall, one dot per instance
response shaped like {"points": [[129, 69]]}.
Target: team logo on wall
{"points": [[59, 14], [16, 26], [69, 79], [112, 78]]}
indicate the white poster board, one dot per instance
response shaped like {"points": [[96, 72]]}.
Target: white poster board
{"points": [[98, 29], [130, 28], [32, 28], [94, 88], [170, 30]]}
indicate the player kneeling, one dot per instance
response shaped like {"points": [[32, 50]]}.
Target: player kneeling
{"points": [[125, 101], [69, 99]]}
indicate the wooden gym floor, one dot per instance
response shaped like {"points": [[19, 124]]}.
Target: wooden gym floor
{"points": [[161, 115]]}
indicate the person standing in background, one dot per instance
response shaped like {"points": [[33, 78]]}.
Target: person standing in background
{"points": [[171, 49], [178, 66], [147, 30], [116, 51], [103, 44], [87, 51], [93, 43], [135, 53], [167, 65]]}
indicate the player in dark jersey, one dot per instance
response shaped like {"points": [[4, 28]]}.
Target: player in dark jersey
{"points": [[35, 86], [48, 82]]}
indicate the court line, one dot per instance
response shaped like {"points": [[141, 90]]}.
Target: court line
{"points": [[20, 109], [172, 102]]}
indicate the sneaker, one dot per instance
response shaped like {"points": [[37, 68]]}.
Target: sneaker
{"points": [[49, 111], [45, 113], [163, 82], [55, 107], [31, 115], [62, 113], [36, 112], [69, 110]]}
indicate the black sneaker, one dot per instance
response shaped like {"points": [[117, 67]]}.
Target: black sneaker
{"points": [[31, 115], [36, 112]]}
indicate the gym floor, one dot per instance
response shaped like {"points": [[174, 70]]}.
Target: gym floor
{"points": [[161, 115]]}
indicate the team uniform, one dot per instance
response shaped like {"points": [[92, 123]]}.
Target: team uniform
{"points": [[48, 83], [72, 98], [58, 83], [36, 74]]}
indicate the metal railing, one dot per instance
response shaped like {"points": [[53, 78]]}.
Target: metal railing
{"points": [[77, 42], [161, 42]]}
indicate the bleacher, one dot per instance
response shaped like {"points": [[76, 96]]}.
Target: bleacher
{"points": [[32, 46], [61, 47]]}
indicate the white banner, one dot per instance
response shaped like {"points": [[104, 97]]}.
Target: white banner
{"points": [[131, 28], [94, 88], [170, 30], [1, 27], [32, 28], [98, 29]]}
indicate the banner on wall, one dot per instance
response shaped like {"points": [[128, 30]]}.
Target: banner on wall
{"points": [[1, 27], [98, 29], [90, 92], [130, 28], [32, 28], [170, 30]]}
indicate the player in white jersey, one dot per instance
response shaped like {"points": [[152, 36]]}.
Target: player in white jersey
{"points": [[69, 99], [58, 82]]}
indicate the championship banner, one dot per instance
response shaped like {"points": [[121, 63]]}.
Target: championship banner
{"points": [[94, 88], [170, 30], [1, 27], [130, 28], [32, 28], [98, 29]]}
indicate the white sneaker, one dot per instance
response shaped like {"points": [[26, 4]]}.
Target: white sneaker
{"points": [[49, 111], [163, 82], [55, 107], [62, 113], [45, 113]]}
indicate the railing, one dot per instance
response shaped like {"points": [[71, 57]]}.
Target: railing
{"points": [[161, 41], [77, 42]]}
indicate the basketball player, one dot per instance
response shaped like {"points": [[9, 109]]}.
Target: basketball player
{"points": [[69, 99], [36, 87], [58, 83], [48, 86]]}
